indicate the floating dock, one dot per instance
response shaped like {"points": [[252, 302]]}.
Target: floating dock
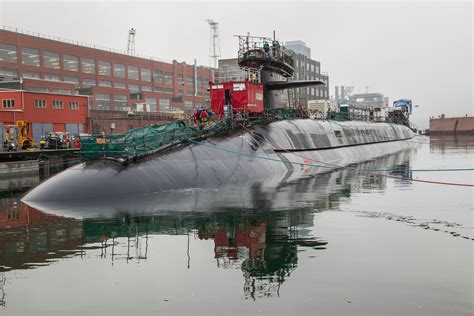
{"points": [[463, 125], [6, 156]]}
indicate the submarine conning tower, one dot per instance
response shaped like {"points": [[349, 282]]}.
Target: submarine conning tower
{"points": [[275, 66]]}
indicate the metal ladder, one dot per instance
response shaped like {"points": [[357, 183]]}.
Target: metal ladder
{"points": [[291, 98]]}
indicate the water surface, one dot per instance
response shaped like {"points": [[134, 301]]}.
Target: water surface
{"points": [[343, 243]]}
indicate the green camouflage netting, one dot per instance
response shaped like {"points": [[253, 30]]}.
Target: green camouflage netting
{"points": [[136, 142], [139, 142]]}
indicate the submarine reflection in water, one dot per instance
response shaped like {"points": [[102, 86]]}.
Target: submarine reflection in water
{"points": [[252, 195], [262, 241]]}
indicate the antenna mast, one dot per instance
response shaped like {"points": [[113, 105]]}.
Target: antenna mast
{"points": [[131, 41], [214, 44]]}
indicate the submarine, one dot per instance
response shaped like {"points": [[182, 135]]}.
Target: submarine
{"points": [[260, 143]]}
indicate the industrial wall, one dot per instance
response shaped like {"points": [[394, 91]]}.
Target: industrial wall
{"points": [[26, 56]]}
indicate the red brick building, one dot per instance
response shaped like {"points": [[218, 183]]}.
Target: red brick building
{"points": [[116, 82], [47, 112]]}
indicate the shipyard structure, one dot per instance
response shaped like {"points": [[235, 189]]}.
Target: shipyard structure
{"points": [[442, 125], [58, 85], [121, 90], [304, 67]]}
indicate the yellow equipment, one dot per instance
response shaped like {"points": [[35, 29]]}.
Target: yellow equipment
{"points": [[25, 140], [16, 136]]}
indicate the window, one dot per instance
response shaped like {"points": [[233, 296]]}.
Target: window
{"points": [[40, 104], [31, 75], [164, 104], [119, 70], [70, 63], [120, 102], [102, 101], [317, 69], [180, 80], [169, 90], [189, 81], [51, 60], [133, 88], [146, 74], [120, 85], [188, 105], [88, 65], [105, 69], [189, 92], [8, 74], [151, 104], [158, 76], [73, 105], [52, 77], [60, 91], [13, 214], [88, 82], [146, 88], [168, 77], [37, 89], [133, 72], [74, 80], [158, 89], [30, 56], [57, 105], [8, 53], [105, 83], [10, 103]]}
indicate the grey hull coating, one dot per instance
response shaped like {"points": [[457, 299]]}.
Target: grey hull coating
{"points": [[269, 156]]}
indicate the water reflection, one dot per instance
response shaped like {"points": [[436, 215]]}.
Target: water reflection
{"points": [[451, 142], [263, 240]]}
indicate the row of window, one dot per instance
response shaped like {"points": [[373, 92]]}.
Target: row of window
{"points": [[311, 66], [31, 57], [12, 74], [41, 104], [313, 92], [64, 91], [56, 104], [104, 101]]}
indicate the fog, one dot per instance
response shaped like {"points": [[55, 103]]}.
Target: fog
{"points": [[416, 50]]}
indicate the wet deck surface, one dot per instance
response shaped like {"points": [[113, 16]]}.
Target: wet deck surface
{"points": [[347, 243]]}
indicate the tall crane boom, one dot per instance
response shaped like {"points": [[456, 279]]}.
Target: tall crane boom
{"points": [[131, 41], [214, 44]]}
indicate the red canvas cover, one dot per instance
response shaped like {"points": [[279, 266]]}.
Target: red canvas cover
{"points": [[245, 97]]}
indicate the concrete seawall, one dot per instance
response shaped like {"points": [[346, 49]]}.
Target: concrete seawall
{"points": [[452, 125], [17, 168]]}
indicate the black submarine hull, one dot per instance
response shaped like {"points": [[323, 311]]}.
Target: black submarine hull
{"points": [[224, 167]]}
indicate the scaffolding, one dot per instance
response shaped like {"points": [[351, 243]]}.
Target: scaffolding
{"points": [[256, 52], [228, 74]]}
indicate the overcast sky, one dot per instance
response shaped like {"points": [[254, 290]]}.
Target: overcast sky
{"points": [[417, 50]]}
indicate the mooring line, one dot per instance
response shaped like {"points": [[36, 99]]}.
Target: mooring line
{"points": [[370, 173]]}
